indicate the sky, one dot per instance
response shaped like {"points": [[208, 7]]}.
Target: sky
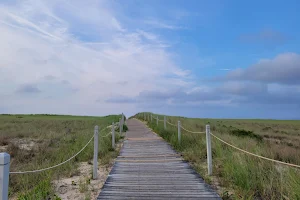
{"points": [[193, 58]]}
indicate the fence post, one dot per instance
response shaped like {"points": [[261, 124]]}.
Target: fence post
{"points": [[113, 135], [156, 120], [122, 119], [95, 164], [179, 132], [151, 117], [120, 125], [165, 122], [144, 117], [4, 175], [208, 146]]}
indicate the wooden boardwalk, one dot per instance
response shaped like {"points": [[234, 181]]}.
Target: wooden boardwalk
{"points": [[148, 168]]}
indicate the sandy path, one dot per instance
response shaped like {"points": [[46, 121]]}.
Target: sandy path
{"points": [[81, 186]]}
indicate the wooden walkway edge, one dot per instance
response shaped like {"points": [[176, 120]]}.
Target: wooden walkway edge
{"points": [[148, 168]]}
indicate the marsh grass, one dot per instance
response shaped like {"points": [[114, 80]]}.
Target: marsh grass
{"points": [[248, 177], [55, 139]]}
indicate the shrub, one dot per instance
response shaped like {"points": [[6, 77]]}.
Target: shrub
{"points": [[4, 141], [125, 127], [245, 133]]}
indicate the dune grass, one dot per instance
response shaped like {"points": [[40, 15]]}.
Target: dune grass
{"points": [[39, 141], [241, 176]]}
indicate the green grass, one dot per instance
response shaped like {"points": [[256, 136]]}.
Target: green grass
{"points": [[246, 176], [53, 139]]}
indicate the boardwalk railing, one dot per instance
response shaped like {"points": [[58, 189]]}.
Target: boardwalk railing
{"points": [[208, 134], [5, 158]]}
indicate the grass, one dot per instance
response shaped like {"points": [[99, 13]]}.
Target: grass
{"points": [[242, 176], [83, 185], [39, 141]]}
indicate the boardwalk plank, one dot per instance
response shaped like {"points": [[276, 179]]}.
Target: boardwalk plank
{"points": [[148, 168]]}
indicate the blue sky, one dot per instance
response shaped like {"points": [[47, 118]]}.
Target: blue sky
{"points": [[220, 59]]}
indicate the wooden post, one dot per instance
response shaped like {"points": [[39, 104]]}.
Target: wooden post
{"points": [[156, 120], [113, 135], [4, 175], [95, 164], [122, 119], [179, 132], [151, 117], [208, 147], [144, 117], [120, 125], [165, 122]]}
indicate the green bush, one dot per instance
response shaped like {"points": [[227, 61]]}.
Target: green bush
{"points": [[244, 133], [125, 127]]}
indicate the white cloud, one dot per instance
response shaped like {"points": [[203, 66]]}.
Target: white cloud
{"points": [[82, 44], [162, 25]]}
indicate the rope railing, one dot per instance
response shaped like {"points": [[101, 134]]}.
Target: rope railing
{"points": [[209, 157], [44, 169], [107, 127], [255, 155], [5, 158], [106, 135], [172, 124], [191, 131]]}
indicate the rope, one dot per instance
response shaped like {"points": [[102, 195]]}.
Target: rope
{"points": [[106, 135], [105, 128], [171, 124], [44, 169], [40, 170], [189, 130], [258, 156]]}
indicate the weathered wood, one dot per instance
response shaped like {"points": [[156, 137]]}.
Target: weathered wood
{"points": [[95, 163], [179, 132], [208, 147], [4, 175], [148, 168], [113, 135]]}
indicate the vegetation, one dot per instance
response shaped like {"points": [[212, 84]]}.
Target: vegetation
{"points": [[241, 176], [39, 141], [125, 128]]}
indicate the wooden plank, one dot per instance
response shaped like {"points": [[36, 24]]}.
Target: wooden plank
{"points": [[148, 168], [150, 156]]}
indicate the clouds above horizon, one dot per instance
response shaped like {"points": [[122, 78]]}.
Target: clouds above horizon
{"points": [[50, 49], [269, 81], [283, 69], [99, 57], [229, 94]]}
